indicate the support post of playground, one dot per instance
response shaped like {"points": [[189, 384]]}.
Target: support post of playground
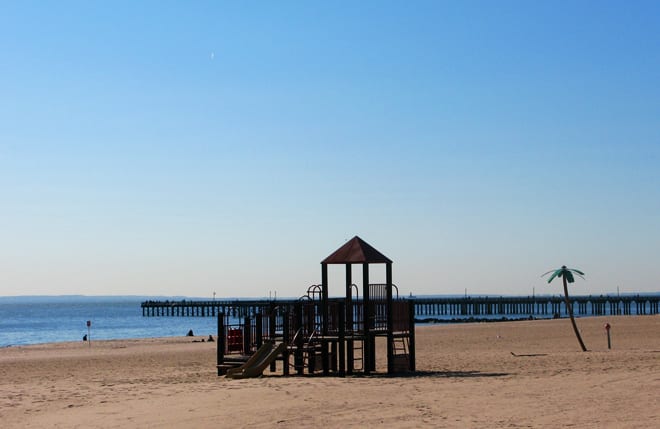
{"points": [[325, 316], [286, 338], [272, 321], [247, 333], [368, 319], [390, 320], [258, 330], [221, 341], [411, 337], [349, 317], [342, 340], [298, 357]]}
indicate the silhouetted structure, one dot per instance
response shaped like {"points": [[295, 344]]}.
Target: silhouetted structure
{"points": [[544, 306], [331, 335]]}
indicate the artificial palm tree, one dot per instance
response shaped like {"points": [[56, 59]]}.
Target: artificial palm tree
{"points": [[567, 276]]}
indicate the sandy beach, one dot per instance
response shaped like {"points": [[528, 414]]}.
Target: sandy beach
{"points": [[496, 375]]}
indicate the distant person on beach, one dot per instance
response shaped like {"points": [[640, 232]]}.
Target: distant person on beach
{"points": [[85, 337], [190, 333], [210, 340]]}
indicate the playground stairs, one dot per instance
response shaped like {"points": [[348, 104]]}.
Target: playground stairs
{"points": [[230, 362], [311, 352], [401, 354], [311, 358]]}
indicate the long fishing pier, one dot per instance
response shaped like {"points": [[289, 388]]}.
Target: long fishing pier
{"points": [[459, 307]]}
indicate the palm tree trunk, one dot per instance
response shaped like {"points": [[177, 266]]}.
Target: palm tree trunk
{"points": [[569, 307]]}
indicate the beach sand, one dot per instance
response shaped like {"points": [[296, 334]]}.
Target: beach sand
{"points": [[468, 377]]}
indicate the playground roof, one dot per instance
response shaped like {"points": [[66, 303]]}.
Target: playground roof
{"points": [[356, 251]]}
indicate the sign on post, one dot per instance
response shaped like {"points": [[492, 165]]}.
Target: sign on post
{"points": [[609, 342]]}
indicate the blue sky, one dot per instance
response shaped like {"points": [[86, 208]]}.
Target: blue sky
{"points": [[186, 148]]}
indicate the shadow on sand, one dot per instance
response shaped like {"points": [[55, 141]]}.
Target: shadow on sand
{"points": [[446, 374], [416, 374]]}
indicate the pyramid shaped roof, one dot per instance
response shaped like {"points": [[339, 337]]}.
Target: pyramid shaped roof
{"points": [[356, 251]]}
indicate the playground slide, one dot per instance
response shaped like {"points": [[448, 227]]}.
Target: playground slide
{"points": [[255, 366]]}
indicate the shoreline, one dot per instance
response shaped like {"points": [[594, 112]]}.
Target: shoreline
{"points": [[419, 322], [111, 340]]}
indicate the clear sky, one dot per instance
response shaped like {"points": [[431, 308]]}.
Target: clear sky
{"points": [[186, 148]]}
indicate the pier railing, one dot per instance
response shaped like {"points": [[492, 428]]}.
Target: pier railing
{"points": [[458, 307]]}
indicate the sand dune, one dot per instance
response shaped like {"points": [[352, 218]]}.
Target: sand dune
{"points": [[496, 375]]}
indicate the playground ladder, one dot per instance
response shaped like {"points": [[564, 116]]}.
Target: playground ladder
{"points": [[401, 354], [358, 354], [400, 346]]}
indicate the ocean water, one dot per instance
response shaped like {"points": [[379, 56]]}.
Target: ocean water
{"points": [[35, 320], [46, 319]]}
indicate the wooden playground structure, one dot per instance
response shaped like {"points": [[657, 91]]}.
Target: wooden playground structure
{"points": [[319, 334]]}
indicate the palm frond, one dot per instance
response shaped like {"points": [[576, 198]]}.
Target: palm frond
{"points": [[578, 272], [563, 271], [557, 273], [568, 275]]}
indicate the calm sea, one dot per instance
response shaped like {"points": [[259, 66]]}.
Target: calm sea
{"points": [[47, 319], [34, 320]]}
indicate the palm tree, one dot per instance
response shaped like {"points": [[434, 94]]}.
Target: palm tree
{"points": [[567, 276]]}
